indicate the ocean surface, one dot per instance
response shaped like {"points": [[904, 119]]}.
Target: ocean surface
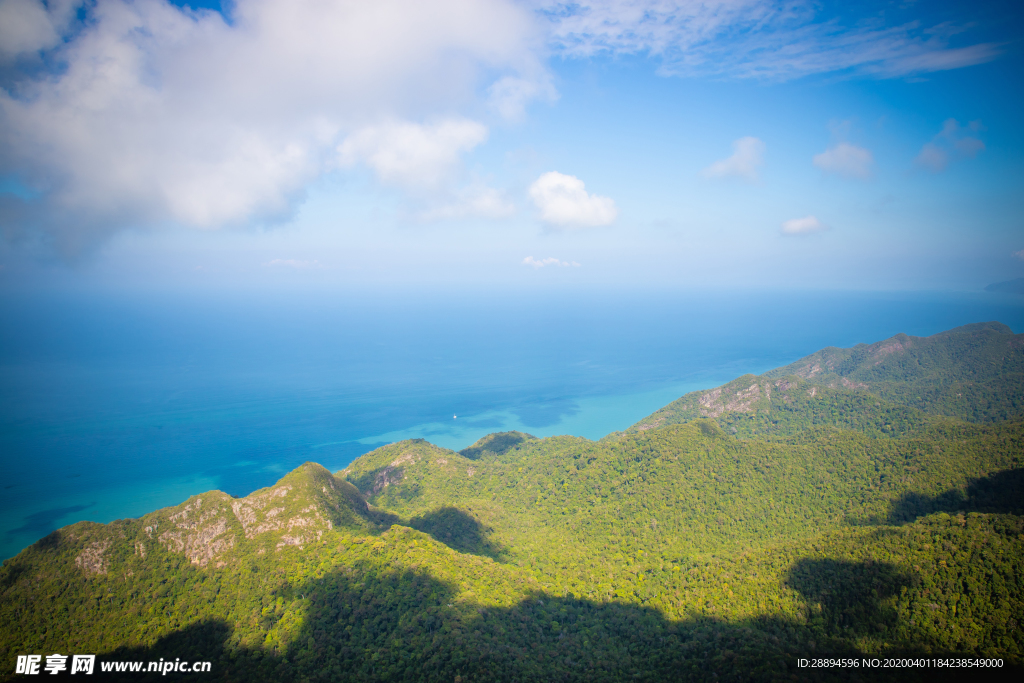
{"points": [[113, 405]]}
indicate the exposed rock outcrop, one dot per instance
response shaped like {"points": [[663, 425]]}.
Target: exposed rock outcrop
{"points": [[248, 510], [201, 533], [91, 560]]}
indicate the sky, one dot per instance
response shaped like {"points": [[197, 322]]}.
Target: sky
{"points": [[495, 144]]}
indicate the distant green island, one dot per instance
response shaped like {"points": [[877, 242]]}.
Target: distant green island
{"points": [[862, 504]]}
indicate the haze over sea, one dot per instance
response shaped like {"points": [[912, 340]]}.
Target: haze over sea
{"points": [[116, 405]]}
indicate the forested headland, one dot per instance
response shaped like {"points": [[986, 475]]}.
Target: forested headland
{"points": [[859, 503]]}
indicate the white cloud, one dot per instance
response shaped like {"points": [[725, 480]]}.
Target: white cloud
{"points": [[846, 160], [410, 154], [564, 202], [747, 156], [138, 113], [550, 261], [768, 39], [802, 226], [1019, 254], [425, 161], [156, 114], [27, 26], [474, 200], [510, 95], [951, 143]]}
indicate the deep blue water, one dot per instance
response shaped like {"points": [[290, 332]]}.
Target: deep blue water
{"points": [[115, 405]]}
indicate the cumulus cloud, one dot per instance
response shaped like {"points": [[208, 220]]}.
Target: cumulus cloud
{"points": [[135, 113], [27, 26], [156, 114], [550, 261], [410, 154], [802, 226], [764, 39], [747, 156], [952, 143], [564, 202], [1019, 254], [846, 160], [425, 160]]}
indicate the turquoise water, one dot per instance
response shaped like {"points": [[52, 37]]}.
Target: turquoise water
{"points": [[115, 405]]}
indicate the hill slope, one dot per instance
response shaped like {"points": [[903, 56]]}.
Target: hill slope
{"points": [[729, 534], [974, 373]]}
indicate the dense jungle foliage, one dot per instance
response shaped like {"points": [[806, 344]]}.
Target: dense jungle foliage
{"points": [[725, 537]]}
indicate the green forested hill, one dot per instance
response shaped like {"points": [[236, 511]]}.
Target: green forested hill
{"points": [[723, 538], [974, 373]]}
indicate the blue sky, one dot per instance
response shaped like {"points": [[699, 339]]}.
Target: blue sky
{"points": [[483, 144]]}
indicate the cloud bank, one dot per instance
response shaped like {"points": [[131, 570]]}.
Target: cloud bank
{"points": [[120, 114], [747, 156], [160, 114], [563, 202]]}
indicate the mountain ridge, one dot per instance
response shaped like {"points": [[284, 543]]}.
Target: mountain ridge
{"points": [[983, 381], [775, 517]]}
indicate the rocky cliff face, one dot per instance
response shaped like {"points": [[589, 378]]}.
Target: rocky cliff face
{"points": [[213, 528], [201, 532]]}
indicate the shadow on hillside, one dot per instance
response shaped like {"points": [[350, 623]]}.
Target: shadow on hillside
{"points": [[377, 623], [498, 443], [1002, 492], [847, 599], [203, 641], [450, 526], [459, 531]]}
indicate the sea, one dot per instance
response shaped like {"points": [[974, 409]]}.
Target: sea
{"points": [[114, 404]]}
